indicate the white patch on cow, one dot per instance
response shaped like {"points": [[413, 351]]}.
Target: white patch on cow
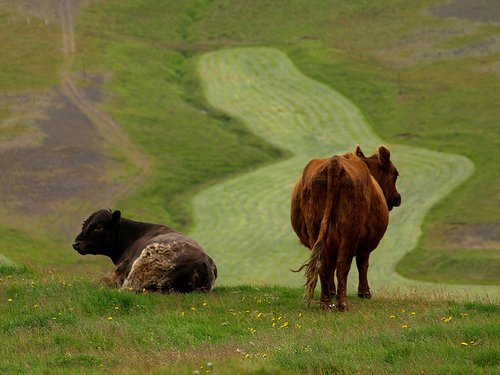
{"points": [[153, 268]]}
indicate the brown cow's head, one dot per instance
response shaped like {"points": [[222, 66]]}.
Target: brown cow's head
{"points": [[98, 233], [386, 174]]}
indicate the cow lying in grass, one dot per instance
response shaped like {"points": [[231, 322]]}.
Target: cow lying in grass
{"points": [[340, 210], [146, 256]]}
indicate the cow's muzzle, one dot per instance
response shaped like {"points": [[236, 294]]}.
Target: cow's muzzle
{"points": [[77, 246], [396, 202]]}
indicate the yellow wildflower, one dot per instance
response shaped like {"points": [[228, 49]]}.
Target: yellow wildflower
{"points": [[110, 318], [464, 344]]}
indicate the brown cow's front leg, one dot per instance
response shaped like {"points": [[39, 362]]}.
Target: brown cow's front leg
{"points": [[363, 288]]}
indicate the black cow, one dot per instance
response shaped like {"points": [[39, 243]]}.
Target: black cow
{"points": [[146, 256]]}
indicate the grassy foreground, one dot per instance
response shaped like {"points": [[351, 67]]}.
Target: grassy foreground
{"points": [[62, 324]]}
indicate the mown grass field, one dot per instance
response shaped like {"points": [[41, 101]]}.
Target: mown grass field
{"points": [[262, 87]]}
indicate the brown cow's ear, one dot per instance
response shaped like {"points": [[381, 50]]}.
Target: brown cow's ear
{"points": [[359, 153], [384, 155], [116, 217]]}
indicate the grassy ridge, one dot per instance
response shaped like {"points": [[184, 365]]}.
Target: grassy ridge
{"points": [[60, 324], [189, 146]]}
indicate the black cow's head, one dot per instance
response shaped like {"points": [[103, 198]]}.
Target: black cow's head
{"points": [[386, 174], [98, 233]]}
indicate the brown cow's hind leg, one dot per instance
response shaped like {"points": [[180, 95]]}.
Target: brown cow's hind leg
{"points": [[343, 267], [327, 280]]}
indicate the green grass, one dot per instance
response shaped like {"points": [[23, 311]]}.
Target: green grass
{"points": [[22, 43], [189, 146], [60, 324]]}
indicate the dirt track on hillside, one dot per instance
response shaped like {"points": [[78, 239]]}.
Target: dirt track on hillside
{"points": [[53, 175]]}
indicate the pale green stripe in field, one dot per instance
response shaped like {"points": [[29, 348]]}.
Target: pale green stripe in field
{"points": [[244, 222]]}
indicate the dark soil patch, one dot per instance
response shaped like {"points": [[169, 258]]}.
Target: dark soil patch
{"points": [[67, 164], [480, 236], [478, 10]]}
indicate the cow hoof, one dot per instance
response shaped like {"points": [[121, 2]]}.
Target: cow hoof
{"points": [[326, 306], [342, 307], [366, 295]]}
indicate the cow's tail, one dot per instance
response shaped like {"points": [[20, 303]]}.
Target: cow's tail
{"points": [[314, 262]]}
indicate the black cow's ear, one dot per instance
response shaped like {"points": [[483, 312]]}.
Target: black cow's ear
{"points": [[384, 155], [359, 153], [116, 217]]}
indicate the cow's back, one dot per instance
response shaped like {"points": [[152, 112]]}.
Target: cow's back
{"points": [[346, 180]]}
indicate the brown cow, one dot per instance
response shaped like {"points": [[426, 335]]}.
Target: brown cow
{"points": [[146, 256], [340, 209]]}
